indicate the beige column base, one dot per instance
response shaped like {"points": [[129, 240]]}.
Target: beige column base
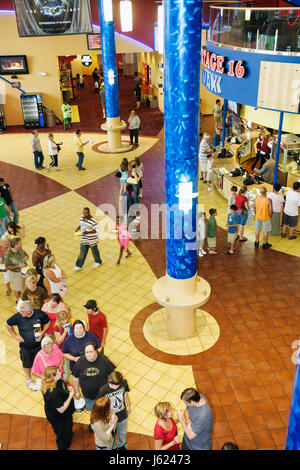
{"points": [[181, 297], [113, 126]]}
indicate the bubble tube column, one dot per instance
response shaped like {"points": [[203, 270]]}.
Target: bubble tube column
{"points": [[181, 291], [113, 125]]}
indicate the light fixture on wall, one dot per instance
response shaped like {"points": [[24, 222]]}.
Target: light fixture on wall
{"points": [[247, 14], [107, 10], [126, 15], [160, 28]]}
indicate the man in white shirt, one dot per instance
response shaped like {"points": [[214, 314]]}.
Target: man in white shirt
{"points": [[134, 125], [291, 211], [204, 150]]}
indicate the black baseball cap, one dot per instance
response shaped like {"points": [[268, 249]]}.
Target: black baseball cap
{"points": [[91, 304]]}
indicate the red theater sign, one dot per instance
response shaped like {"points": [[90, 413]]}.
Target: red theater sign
{"points": [[221, 64]]}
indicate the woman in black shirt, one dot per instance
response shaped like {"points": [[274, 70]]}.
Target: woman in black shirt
{"points": [[41, 251], [59, 406]]}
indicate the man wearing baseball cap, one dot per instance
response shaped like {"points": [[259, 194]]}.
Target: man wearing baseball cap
{"points": [[97, 323]]}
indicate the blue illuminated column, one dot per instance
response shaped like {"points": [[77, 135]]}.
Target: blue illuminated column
{"points": [[278, 147], [112, 125], [224, 122], [293, 431], [178, 290]]}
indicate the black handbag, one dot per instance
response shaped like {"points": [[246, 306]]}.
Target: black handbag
{"points": [[118, 174]]}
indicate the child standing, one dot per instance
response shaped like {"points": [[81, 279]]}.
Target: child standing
{"points": [[123, 169], [232, 197], [124, 238], [201, 234], [209, 169], [212, 232], [233, 221]]}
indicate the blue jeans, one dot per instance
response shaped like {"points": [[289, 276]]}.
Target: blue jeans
{"points": [[14, 210], [80, 159], [89, 403], [83, 254], [38, 158], [107, 448], [3, 226], [121, 431], [136, 189]]}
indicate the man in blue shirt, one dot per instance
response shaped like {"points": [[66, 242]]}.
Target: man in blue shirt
{"points": [[196, 421], [233, 222], [216, 140]]}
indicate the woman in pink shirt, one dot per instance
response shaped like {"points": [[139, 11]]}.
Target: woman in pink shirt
{"points": [[49, 355]]}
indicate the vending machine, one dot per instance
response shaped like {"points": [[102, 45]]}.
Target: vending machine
{"points": [[32, 110]]}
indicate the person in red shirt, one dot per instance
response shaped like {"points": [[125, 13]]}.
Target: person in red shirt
{"points": [[242, 204], [165, 430], [97, 321]]}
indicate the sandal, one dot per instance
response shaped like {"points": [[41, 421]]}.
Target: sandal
{"points": [[243, 239], [228, 253], [292, 238], [283, 235]]}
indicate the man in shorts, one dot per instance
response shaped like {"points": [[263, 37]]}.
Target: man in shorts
{"points": [[30, 322], [291, 211], [263, 212], [204, 150]]}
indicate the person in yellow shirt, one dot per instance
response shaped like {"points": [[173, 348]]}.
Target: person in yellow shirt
{"points": [[79, 149]]}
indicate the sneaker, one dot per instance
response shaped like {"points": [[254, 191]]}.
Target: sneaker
{"points": [[97, 264], [81, 168], [256, 244], [200, 254], [77, 268], [283, 235], [31, 385], [266, 245], [203, 252], [209, 189]]}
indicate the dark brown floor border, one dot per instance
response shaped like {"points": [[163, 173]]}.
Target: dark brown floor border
{"points": [[138, 339], [95, 148]]}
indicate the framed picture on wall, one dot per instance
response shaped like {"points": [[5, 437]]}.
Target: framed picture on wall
{"points": [[94, 41]]}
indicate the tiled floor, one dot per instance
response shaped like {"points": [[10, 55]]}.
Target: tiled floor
{"points": [[247, 375]]}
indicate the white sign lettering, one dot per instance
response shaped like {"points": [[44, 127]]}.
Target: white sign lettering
{"points": [[211, 82]]}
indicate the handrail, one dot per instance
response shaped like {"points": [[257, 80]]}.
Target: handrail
{"points": [[294, 7]]}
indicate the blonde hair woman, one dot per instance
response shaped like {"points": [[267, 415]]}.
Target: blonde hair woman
{"points": [[103, 423], [165, 431], [55, 276], [59, 406], [53, 152], [61, 330]]}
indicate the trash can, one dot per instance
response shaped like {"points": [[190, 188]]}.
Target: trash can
{"points": [[50, 118]]}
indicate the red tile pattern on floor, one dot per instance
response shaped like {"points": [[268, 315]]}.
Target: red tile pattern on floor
{"points": [[18, 432]]}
